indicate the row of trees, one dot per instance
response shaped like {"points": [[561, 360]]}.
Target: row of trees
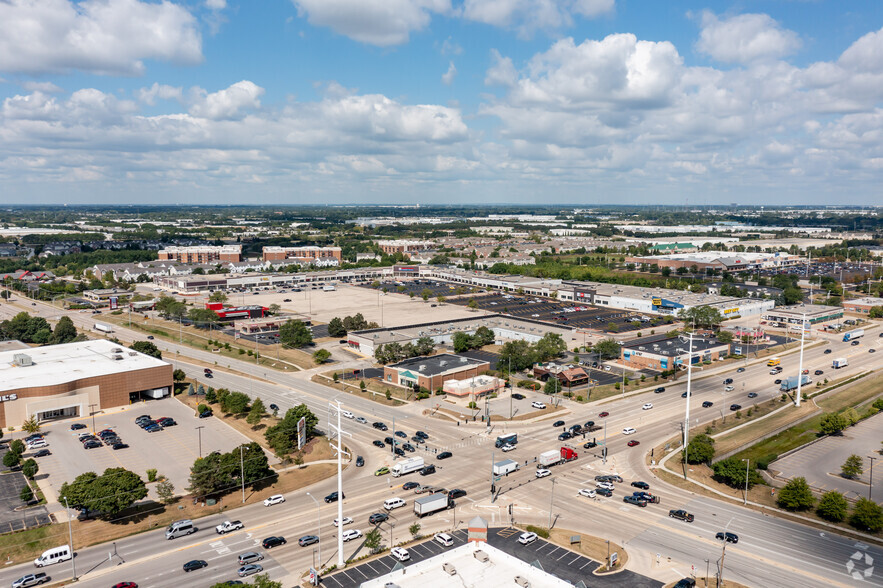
{"points": [[866, 514], [110, 493], [219, 473], [522, 355], [37, 330], [339, 327], [282, 437], [295, 334], [464, 341], [394, 352]]}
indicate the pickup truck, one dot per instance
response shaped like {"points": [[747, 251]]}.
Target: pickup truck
{"points": [[681, 514], [228, 526], [31, 580]]}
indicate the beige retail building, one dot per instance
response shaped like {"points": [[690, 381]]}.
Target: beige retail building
{"points": [[76, 379]]}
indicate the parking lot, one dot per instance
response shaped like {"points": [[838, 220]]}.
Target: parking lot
{"points": [[10, 488], [172, 450], [555, 560]]}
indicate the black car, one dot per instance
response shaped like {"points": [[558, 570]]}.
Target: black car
{"points": [[684, 394], [409, 447], [77, 426], [430, 469], [660, 390], [517, 396], [379, 443], [418, 440], [735, 407], [641, 485], [401, 434], [827, 351], [91, 444], [589, 424], [333, 497], [456, 493], [707, 404], [752, 395], [729, 537], [778, 381], [273, 542], [206, 413], [740, 370], [819, 372], [167, 422], [378, 517], [409, 485], [399, 451], [43, 453], [195, 564], [380, 426], [564, 436], [575, 429], [444, 455], [121, 445], [274, 407], [728, 381], [389, 441], [360, 461], [590, 445], [422, 435], [604, 491], [558, 424]]}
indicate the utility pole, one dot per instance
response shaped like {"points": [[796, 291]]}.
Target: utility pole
{"points": [[199, 433], [551, 502], [335, 406], [800, 362], [687, 411], [604, 450], [242, 473], [70, 535], [92, 412], [871, 484], [747, 462]]}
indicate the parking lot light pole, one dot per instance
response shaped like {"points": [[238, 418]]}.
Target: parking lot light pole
{"points": [[800, 363], [551, 502], [319, 523], [70, 535], [92, 412], [687, 409], [871, 479], [199, 435], [747, 463]]}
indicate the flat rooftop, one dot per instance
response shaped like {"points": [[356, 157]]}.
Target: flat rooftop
{"points": [[672, 346], [499, 571], [58, 364], [433, 365], [798, 310]]}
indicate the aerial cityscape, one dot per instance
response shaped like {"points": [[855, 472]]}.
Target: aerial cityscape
{"points": [[434, 293]]}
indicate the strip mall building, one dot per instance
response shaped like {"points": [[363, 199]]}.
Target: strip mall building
{"points": [[69, 380]]}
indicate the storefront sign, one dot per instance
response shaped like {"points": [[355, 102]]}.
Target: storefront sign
{"points": [[8, 397]]}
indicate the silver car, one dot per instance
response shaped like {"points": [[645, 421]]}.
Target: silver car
{"points": [[249, 556], [249, 570]]}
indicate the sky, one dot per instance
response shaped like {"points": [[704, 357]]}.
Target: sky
{"points": [[573, 102]]}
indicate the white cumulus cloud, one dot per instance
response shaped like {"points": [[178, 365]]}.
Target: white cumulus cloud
{"points": [[376, 22], [228, 103], [527, 16], [448, 77], [744, 38], [162, 91]]}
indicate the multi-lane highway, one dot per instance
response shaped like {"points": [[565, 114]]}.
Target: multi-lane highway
{"points": [[771, 551]]}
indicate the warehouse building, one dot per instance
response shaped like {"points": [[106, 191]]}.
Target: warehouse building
{"points": [[720, 260], [61, 381], [431, 372], [662, 353]]}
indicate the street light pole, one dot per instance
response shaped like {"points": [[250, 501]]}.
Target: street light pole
{"points": [[199, 434], [747, 462], [242, 473], [871, 484], [92, 412], [319, 523], [335, 406], [551, 502], [687, 410], [800, 362], [70, 534]]}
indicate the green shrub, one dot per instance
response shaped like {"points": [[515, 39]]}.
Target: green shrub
{"points": [[765, 461], [151, 475], [26, 494]]}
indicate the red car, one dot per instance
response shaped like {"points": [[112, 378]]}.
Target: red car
{"points": [[603, 414], [126, 585], [633, 443]]}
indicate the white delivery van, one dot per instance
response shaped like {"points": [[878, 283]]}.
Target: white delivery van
{"points": [[53, 556], [180, 528], [393, 503]]}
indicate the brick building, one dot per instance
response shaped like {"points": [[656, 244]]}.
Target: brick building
{"points": [[392, 247], [661, 353], [862, 305], [432, 371], [273, 253], [202, 253]]}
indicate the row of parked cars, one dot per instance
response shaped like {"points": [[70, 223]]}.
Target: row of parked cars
{"points": [[154, 425]]}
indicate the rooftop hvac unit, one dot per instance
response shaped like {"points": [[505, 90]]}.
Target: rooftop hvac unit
{"points": [[22, 360], [117, 350], [116, 357], [449, 569], [422, 367], [133, 353], [443, 363], [481, 556], [463, 360]]}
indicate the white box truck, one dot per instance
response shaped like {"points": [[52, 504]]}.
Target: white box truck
{"points": [[406, 466], [501, 468], [103, 327], [839, 363], [430, 504], [328, 288], [550, 457]]}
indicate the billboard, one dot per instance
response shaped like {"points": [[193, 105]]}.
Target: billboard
{"points": [[301, 432], [114, 302]]}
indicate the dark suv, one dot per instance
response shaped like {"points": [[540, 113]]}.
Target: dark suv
{"points": [[273, 542], [430, 469], [729, 537], [380, 426], [333, 497], [378, 517]]}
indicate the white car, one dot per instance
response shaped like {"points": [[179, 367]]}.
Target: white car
{"points": [[507, 447], [535, 316], [542, 473], [351, 534], [275, 499], [538, 405], [347, 414], [527, 538], [729, 389], [629, 431], [605, 485], [400, 553], [587, 492], [444, 539], [647, 406], [37, 443], [346, 521]]}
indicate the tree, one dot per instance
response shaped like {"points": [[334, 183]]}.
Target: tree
{"points": [[425, 294], [336, 328], [462, 342], [17, 446], [256, 413], [179, 375], [373, 539], [295, 334], [796, 495], [725, 337], [203, 317], [553, 386], [483, 336], [30, 468], [237, 403], [853, 467], [832, 424], [701, 316], [414, 530], [518, 354], [549, 347], [110, 493], [26, 494], [832, 506], [11, 459], [213, 474], [64, 332], [217, 296], [320, 356], [424, 346], [282, 436], [867, 515], [607, 348], [147, 348], [732, 471], [165, 491], [273, 309], [472, 304], [700, 449], [31, 425]]}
